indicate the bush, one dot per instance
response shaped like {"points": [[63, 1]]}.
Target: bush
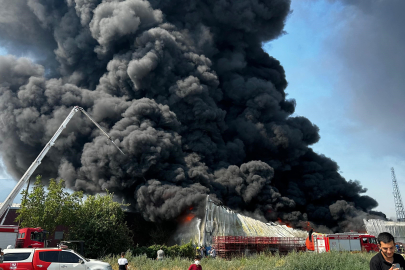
{"points": [[183, 251], [295, 261]]}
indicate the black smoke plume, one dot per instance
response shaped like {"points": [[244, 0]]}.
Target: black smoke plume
{"points": [[185, 89]]}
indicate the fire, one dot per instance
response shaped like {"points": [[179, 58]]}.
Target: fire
{"points": [[187, 215], [284, 223], [305, 225], [188, 218]]}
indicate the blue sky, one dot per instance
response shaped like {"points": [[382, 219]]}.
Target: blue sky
{"points": [[324, 81], [343, 64]]}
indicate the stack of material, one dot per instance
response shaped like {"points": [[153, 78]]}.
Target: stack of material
{"points": [[376, 226], [222, 221], [230, 246]]}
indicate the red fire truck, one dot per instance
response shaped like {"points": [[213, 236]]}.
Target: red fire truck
{"points": [[342, 242], [21, 238], [31, 237]]}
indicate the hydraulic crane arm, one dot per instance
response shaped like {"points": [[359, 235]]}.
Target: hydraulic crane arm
{"points": [[10, 198]]}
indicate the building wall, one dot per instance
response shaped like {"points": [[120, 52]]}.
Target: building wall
{"points": [[10, 218]]}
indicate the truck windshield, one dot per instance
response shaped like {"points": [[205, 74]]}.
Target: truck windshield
{"points": [[35, 236], [373, 240]]}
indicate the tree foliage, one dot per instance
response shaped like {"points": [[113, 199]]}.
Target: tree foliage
{"points": [[49, 209], [100, 222], [97, 220]]}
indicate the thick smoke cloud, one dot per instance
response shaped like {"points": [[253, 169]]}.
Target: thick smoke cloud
{"points": [[187, 92]]}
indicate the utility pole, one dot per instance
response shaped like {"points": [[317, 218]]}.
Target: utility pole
{"points": [[399, 206]]}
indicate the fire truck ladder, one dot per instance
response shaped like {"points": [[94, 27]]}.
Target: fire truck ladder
{"points": [[5, 207], [399, 207]]}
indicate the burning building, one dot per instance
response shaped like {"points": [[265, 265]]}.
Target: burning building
{"points": [[186, 90], [233, 234], [220, 221]]}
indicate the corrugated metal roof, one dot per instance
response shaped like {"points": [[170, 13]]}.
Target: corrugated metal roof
{"points": [[377, 226]]}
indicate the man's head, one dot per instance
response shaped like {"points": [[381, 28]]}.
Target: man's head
{"points": [[122, 254], [386, 244], [197, 260]]}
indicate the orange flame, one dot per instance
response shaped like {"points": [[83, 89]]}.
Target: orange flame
{"points": [[284, 223], [187, 215], [188, 218]]}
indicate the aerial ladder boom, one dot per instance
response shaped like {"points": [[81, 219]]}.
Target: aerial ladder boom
{"points": [[10, 198]]}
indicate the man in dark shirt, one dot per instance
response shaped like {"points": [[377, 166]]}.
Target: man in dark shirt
{"points": [[386, 259]]}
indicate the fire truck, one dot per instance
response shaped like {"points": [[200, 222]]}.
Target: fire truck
{"points": [[341, 242], [21, 238], [34, 237]]}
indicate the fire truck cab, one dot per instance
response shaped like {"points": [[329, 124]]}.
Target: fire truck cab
{"points": [[31, 238]]}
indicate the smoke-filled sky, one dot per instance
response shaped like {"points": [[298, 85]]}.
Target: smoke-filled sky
{"points": [[187, 91]]}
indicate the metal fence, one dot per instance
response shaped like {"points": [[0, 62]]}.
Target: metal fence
{"points": [[230, 246]]}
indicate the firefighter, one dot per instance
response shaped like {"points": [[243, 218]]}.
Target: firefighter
{"points": [[309, 242], [1, 256], [203, 252]]}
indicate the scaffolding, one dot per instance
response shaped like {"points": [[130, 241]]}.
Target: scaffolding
{"points": [[231, 246]]}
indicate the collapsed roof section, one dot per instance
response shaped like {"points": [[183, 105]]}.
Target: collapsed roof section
{"points": [[222, 221]]}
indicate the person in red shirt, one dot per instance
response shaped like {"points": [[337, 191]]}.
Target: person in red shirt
{"points": [[196, 265]]}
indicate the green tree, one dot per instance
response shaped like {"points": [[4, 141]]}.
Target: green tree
{"points": [[100, 223], [97, 220], [48, 209], [32, 206]]}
